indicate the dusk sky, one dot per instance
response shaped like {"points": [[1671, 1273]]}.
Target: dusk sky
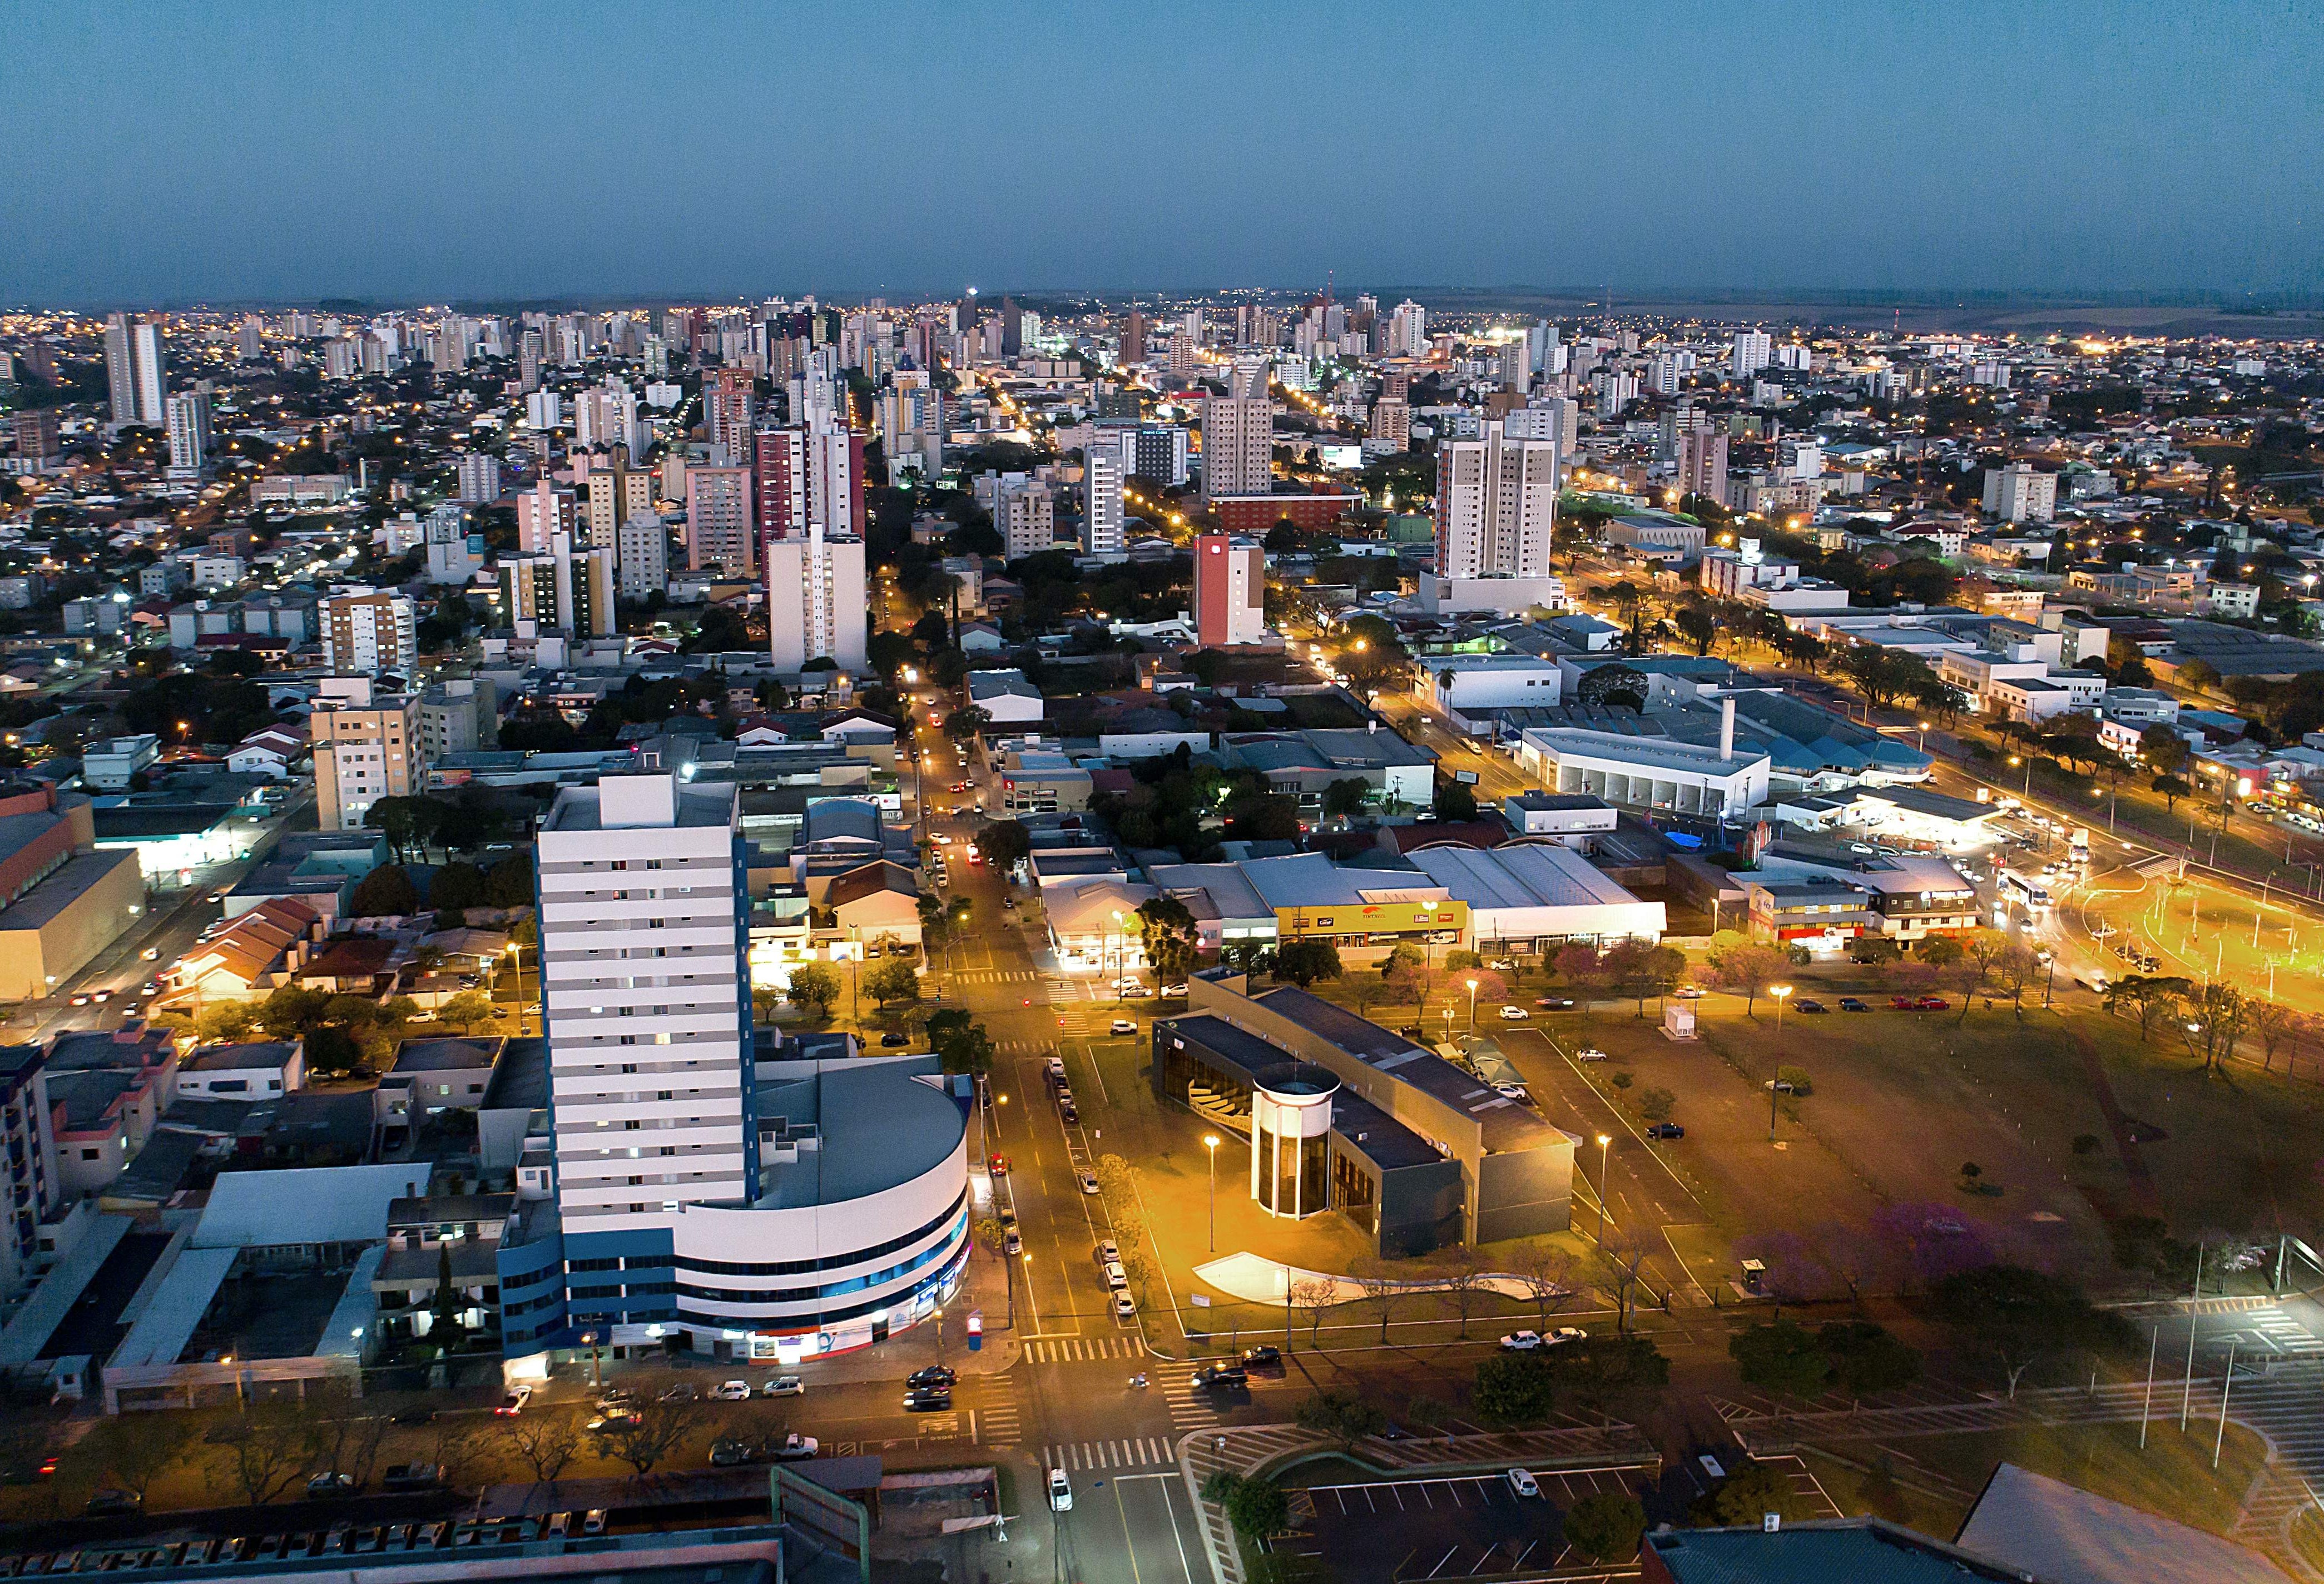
{"points": [[421, 151]]}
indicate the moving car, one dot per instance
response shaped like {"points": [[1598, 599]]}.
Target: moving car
{"points": [[891, 1039], [1219, 1375], [795, 1448], [1263, 1358], [1061, 1492], [934, 1375], [1122, 1026], [928, 1400], [330, 1485], [1088, 1181], [1554, 1003], [784, 1386], [613, 1419], [997, 1165], [513, 1402], [731, 1391], [1514, 1014]]}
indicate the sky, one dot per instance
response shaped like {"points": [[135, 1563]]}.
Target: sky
{"points": [[410, 150]]}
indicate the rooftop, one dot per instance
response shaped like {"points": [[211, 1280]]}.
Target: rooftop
{"points": [[880, 1127], [1860, 1550]]}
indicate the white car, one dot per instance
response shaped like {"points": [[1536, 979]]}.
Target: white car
{"points": [[1515, 1015], [1123, 1308], [1520, 1341], [784, 1386], [1061, 1492], [1089, 1181], [1524, 1484], [731, 1391], [1590, 1053], [1123, 1025]]}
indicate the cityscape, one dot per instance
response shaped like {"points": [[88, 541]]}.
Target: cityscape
{"points": [[810, 907]]}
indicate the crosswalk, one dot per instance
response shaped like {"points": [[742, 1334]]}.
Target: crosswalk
{"points": [[996, 976], [997, 1421], [1189, 1409], [1079, 1350], [1146, 1452], [2259, 1334]]}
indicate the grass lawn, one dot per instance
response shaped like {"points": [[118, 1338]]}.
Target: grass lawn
{"points": [[2171, 1477]]}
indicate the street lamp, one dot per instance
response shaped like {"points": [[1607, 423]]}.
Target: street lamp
{"points": [[1210, 1143], [1604, 1141], [1473, 1006], [1782, 992], [1923, 728]]}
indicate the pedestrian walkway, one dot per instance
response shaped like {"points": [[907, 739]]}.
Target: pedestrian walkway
{"points": [[1077, 1350], [995, 976], [1136, 1452], [997, 1422], [1189, 1409]]}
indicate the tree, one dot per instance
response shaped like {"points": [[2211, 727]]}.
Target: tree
{"points": [[1698, 626], [2272, 1023], [1514, 1388], [963, 1046], [1455, 802], [508, 882], [1864, 1357], [963, 723], [2163, 750], [893, 982], [2015, 967], [2172, 788], [267, 1448], [407, 822], [545, 1442], [1639, 970], [1255, 1506], [1168, 928], [456, 887], [470, 1009], [652, 1433], [225, 1023], [1465, 1276], [445, 1311], [384, 892], [1781, 1359], [1406, 974], [1343, 1416], [1313, 1295], [1583, 968], [1547, 1273], [1005, 844], [815, 988], [1606, 1526], [1303, 962], [1745, 969], [2218, 1016], [1750, 1493], [1981, 951], [2021, 1315], [1345, 798], [130, 1451], [1378, 1286], [1656, 1105]]}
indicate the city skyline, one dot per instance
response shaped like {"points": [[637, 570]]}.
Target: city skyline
{"points": [[2130, 149]]}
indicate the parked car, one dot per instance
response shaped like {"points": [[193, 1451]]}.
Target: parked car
{"points": [[1664, 1131], [1524, 1484], [1590, 1053], [1116, 1277], [783, 1386], [1108, 1251], [1932, 1004], [1520, 1341], [1061, 1492], [1010, 1243], [1814, 1008], [330, 1485], [1124, 1308], [1068, 1114], [592, 1522], [1850, 1004], [681, 1392], [1514, 1014], [796, 1448], [731, 1391], [113, 1504], [726, 1452], [412, 1476]]}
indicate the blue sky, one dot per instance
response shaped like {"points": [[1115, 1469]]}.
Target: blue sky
{"points": [[422, 151]]}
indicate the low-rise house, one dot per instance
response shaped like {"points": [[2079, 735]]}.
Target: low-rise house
{"points": [[244, 1071]]}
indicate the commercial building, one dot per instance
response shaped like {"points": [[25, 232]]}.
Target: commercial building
{"points": [[1654, 773], [1339, 1114], [1496, 503], [1535, 897], [366, 748], [114, 764], [746, 1202], [366, 633], [1230, 591], [61, 900]]}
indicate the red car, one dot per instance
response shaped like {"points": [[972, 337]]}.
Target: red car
{"points": [[1902, 1003], [1931, 1003], [999, 1165]]}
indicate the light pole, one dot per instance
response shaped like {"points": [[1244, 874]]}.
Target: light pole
{"points": [[1210, 1143], [1924, 742], [1782, 992], [1604, 1141], [1473, 1006], [1120, 955]]}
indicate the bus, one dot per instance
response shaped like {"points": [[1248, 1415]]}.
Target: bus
{"points": [[2024, 890]]}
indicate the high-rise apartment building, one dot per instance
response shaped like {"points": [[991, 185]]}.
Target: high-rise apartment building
{"points": [[135, 374], [366, 748], [189, 433], [460, 715], [369, 632], [480, 477], [1027, 516], [730, 405], [721, 531], [2020, 493], [567, 587], [617, 492], [1230, 591], [1497, 501], [1702, 461], [642, 557], [1162, 454], [816, 603], [40, 442], [1408, 331], [1753, 351], [542, 512], [1102, 514], [248, 346], [1239, 434]]}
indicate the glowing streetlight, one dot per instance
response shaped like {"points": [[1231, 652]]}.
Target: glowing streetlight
{"points": [[1604, 1141], [1782, 992], [1210, 1143], [1473, 1006]]}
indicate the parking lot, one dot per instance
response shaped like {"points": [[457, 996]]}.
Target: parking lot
{"points": [[1391, 1532]]}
